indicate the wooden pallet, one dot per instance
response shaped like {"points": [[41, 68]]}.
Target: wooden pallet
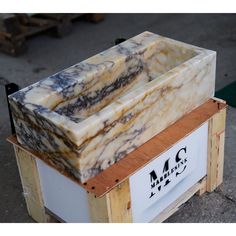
{"points": [[15, 28], [108, 193]]}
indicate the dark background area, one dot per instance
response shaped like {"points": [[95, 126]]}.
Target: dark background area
{"points": [[47, 55]]}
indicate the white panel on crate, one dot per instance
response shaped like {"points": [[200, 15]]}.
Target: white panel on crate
{"points": [[62, 196], [153, 187], [167, 177]]}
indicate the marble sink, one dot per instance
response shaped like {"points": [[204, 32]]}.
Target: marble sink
{"points": [[89, 116]]}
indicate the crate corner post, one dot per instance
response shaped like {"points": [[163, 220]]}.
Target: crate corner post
{"points": [[216, 139], [31, 185], [113, 207]]}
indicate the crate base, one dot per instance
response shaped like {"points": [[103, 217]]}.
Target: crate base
{"points": [[109, 194], [198, 189]]}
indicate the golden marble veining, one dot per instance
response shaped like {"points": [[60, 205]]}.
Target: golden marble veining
{"points": [[89, 116]]}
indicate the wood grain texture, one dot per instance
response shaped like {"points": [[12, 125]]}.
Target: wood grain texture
{"points": [[114, 207], [31, 185], [202, 187], [98, 209], [120, 203], [220, 164], [216, 150]]}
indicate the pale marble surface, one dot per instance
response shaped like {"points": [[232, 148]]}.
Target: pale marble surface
{"points": [[87, 117]]}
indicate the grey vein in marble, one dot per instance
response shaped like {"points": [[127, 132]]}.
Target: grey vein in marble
{"points": [[89, 116]]}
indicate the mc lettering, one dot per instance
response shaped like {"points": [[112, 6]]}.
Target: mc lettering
{"points": [[172, 168]]}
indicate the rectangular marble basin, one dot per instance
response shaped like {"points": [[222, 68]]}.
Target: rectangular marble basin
{"points": [[87, 117]]}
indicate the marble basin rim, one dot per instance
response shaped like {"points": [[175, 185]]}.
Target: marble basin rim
{"points": [[85, 141]]}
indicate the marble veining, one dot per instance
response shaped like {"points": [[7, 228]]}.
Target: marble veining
{"points": [[90, 115]]}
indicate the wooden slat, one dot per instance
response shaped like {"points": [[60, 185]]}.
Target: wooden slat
{"points": [[120, 203], [175, 206], [216, 150], [117, 173], [114, 207], [31, 185], [98, 209], [202, 187], [220, 164]]}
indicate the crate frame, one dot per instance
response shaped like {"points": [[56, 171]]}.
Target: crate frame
{"points": [[109, 193]]}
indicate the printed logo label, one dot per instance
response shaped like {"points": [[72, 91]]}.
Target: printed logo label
{"points": [[176, 169], [173, 167]]}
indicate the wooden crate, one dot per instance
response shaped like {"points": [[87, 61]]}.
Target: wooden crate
{"points": [[15, 28], [113, 195]]}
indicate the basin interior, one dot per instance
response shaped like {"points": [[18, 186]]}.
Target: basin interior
{"points": [[121, 71]]}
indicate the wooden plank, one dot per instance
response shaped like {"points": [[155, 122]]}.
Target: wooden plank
{"points": [[211, 163], [120, 203], [31, 185], [202, 187], [216, 150], [119, 172], [220, 164], [175, 206], [98, 208], [114, 207]]}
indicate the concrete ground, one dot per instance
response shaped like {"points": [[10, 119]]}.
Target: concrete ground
{"points": [[48, 55]]}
